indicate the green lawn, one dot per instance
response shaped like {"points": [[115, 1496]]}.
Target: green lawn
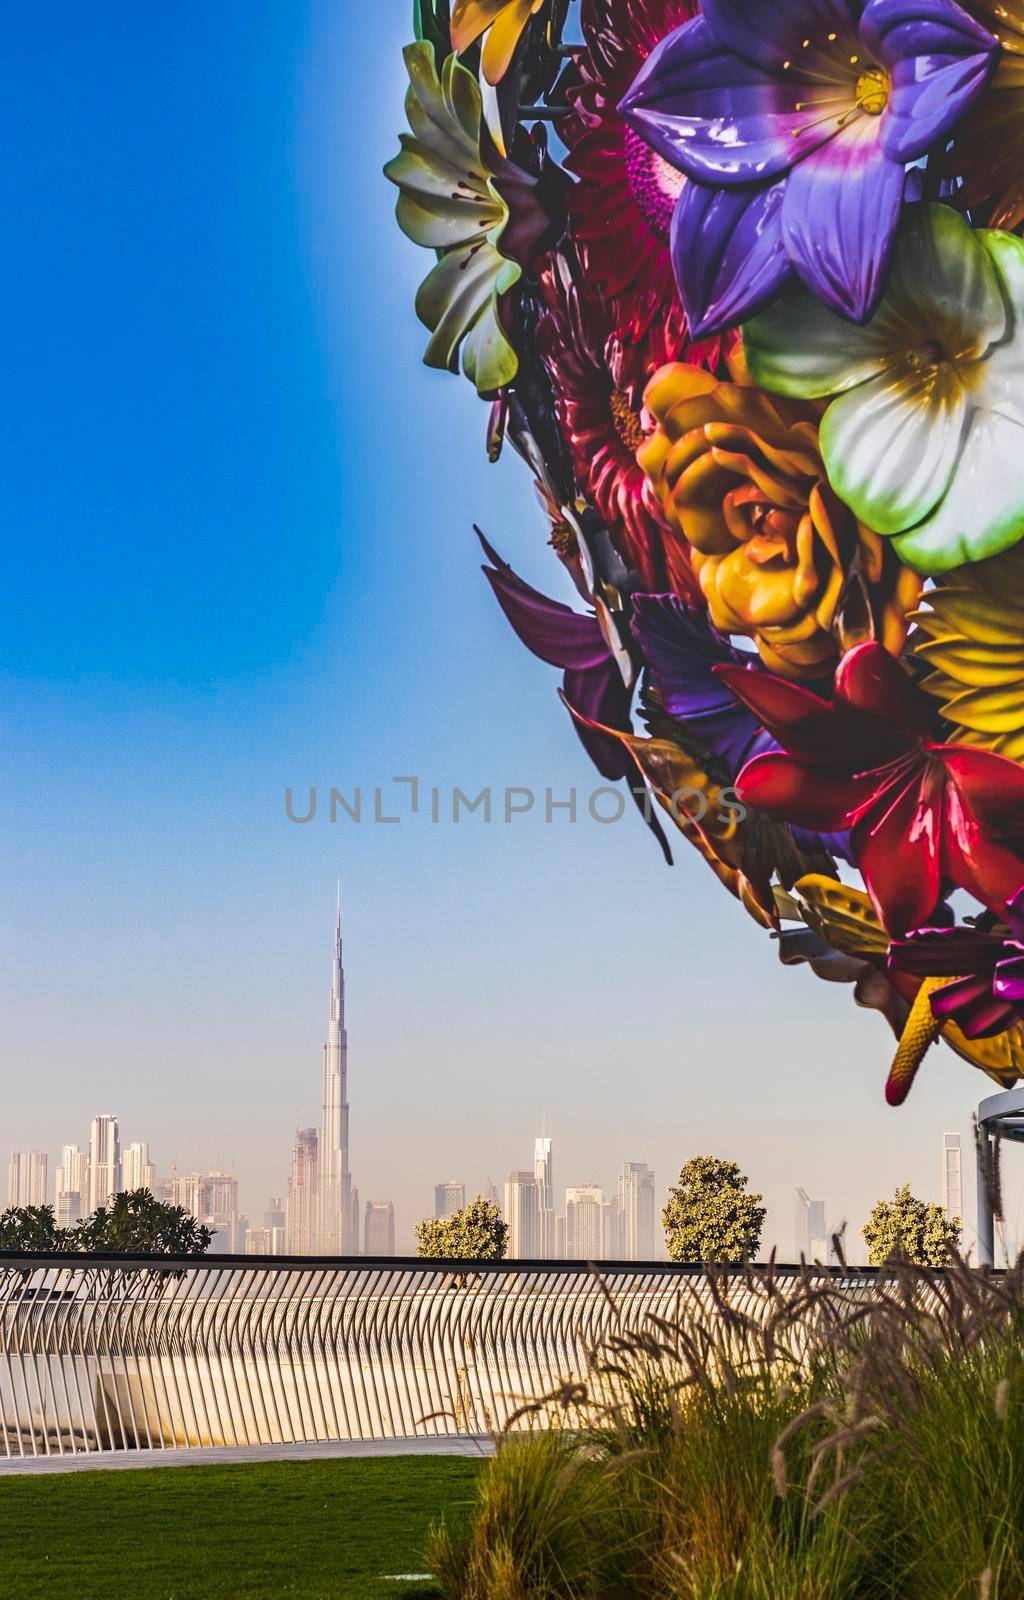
{"points": [[317, 1529]]}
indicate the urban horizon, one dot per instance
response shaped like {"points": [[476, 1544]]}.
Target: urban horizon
{"points": [[317, 1209]]}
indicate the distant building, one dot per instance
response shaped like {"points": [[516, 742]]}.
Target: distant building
{"points": [[71, 1186], [448, 1198], [952, 1176], [560, 1245], [636, 1200], [379, 1228], [811, 1229], [612, 1243], [190, 1191], [543, 1173], [274, 1215], [522, 1215], [104, 1160], [26, 1178], [302, 1194], [583, 1212], [336, 1231], [490, 1193], [137, 1171]]}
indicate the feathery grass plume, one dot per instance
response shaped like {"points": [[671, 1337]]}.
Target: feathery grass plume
{"points": [[855, 1437]]}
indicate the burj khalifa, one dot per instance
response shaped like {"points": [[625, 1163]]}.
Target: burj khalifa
{"points": [[337, 1232]]}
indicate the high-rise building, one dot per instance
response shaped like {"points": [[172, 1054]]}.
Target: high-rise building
{"points": [[191, 1192], [612, 1245], [448, 1198], [104, 1160], [636, 1199], [301, 1227], [490, 1193], [137, 1171], [274, 1215], [560, 1245], [811, 1229], [583, 1210], [379, 1228], [336, 1233], [952, 1176], [522, 1215], [543, 1172], [26, 1178], [71, 1186]]}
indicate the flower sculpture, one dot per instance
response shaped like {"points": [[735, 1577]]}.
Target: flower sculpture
{"points": [[923, 437], [759, 337], [795, 123], [741, 482]]}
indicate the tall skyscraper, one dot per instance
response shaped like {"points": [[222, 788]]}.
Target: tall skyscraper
{"points": [[490, 1192], [104, 1160], [952, 1176], [583, 1210], [26, 1178], [71, 1186], [137, 1171], [301, 1226], [811, 1230], [522, 1215], [543, 1172], [448, 1198], [612, 1243], [379, 1228], [335, 1234], [191, 1191], [636, 1199]]}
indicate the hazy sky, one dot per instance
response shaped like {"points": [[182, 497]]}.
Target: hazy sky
{"points": [[239, 557]]}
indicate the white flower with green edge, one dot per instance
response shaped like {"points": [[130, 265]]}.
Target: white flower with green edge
{"points": [[925, 438], [448, 203]]}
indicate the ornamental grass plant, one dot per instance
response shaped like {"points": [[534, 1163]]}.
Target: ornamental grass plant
{"points": [[857, 1438]]}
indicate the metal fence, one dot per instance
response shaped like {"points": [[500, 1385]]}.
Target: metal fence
{"points": [[113, 1353]]}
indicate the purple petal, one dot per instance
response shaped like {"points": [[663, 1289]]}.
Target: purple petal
{"points": [[1009, 982], [945, 953], [969, 1002], [938, 59], [680, 650], [554, 632], [839, 219], [771, 32], [599, 693], [728, 254], [716, 117]]}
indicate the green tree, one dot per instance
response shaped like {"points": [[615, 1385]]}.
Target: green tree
{"points": [[709, 1216], [31, 1228], [909, 1229], [476, 1233], [135, 1220]]}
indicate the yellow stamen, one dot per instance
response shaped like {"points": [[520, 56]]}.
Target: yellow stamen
{"points": [[873, 92]]}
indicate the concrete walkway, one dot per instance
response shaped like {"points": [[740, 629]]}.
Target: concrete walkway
{"points": [[460, 1444]]}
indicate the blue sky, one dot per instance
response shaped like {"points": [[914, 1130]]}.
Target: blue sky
{"points": [[239, 557]]}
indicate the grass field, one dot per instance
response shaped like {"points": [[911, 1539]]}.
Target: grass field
{"points": [[317, 1529]]}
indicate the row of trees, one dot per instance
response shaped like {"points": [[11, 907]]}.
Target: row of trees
{"points": [[132, 1221], [711, 1216]]}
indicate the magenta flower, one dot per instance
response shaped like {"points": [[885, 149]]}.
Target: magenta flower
{"points": [[986, 966], [794, 121]]}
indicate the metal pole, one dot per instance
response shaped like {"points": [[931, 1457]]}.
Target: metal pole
{"points": [[986, 1231]]}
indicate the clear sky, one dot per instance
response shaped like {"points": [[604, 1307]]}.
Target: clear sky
{"points": [[238, 557]]}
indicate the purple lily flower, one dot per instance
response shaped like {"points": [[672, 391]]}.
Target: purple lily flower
{"points": [[987, 993], [794, 122], [592, 683], [681, 652]]}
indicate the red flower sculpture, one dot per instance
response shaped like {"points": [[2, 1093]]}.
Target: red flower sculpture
{"points": [[920, 812], [622, 205]]}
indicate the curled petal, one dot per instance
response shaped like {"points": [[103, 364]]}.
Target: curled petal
{"points": [[939, 61], [810, 797]]}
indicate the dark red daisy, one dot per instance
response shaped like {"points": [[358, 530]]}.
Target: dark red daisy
{"points": [[599, 380], [622, 205]]}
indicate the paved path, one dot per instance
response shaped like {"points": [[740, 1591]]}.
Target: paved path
{"points": [[439, 1445]]}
